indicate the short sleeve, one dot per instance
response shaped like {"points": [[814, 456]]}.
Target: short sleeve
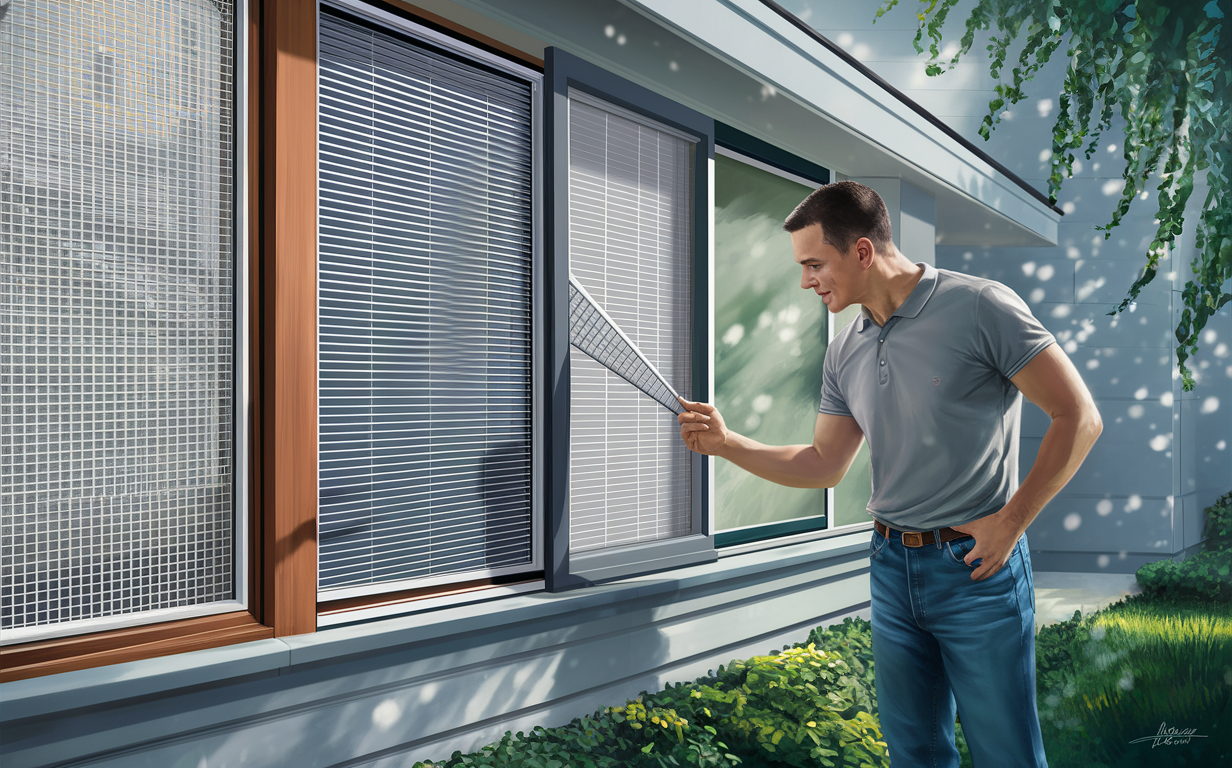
{"points": [[1009, 336], [832, 400]]}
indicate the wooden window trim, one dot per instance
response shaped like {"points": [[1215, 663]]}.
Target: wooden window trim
{"points": [[466, 34], [285, 316], [48, 657]]}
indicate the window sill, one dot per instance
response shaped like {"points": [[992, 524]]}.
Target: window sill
{"points": [[798, 538], [41, 696]]}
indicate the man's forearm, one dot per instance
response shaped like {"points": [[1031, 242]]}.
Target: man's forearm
{"points": [[796, 466], [1063, 449]]}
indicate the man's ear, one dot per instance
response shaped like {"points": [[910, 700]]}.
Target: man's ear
{"points": [[864, 252]]}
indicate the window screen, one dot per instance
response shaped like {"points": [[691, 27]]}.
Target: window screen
{"points": [[117, 331], [425, 314], [630, 247]]}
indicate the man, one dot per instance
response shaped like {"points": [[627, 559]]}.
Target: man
{"points": [[930, 375]]}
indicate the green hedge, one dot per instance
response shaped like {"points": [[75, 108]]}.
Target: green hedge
{"points": [[812, 704], [1206, 575]]}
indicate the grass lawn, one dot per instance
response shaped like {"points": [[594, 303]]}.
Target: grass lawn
{"points": [[1108, 680]]}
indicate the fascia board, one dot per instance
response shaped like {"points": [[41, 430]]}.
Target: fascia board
{"points": [[753, 39]]}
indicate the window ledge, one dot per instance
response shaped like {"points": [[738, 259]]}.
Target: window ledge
{"points": [[40, 696]]}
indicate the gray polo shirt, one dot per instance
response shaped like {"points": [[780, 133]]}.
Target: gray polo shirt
{"points": [[931, 390]]}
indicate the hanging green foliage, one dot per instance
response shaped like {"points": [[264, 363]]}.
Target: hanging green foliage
{"points": [[1164, 65]]}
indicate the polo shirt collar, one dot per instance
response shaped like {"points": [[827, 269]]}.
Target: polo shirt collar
{"points": [[915, 300]]}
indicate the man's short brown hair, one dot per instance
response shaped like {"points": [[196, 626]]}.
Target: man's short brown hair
{"points": [[846, 211]]}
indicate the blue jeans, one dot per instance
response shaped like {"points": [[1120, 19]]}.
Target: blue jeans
{"points": [[941, 639]]}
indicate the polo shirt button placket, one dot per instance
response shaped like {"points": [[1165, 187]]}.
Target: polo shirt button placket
{"points": [[883, 375]]}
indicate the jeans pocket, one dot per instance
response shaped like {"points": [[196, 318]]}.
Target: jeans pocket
{"points": [[959, 548], [876, 544], [1026, 563]]}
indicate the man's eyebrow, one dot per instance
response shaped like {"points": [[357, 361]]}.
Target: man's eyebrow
{"points": [[810, 260]]}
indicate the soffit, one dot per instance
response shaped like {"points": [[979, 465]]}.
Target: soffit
{"points": [[741, 63]]}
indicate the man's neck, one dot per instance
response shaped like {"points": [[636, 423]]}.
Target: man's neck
{"points": [[896, 279]]}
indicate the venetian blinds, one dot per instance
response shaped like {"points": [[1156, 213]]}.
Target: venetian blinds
{"points": [[424, 314], [630, 248]]}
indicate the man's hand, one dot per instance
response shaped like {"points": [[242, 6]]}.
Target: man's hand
{"points": [[995, 536], [702, 427], [836, 440]]}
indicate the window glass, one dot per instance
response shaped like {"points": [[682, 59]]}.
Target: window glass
{"points": [[117, 332], [770, 340]]}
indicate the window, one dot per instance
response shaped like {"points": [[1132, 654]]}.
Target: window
{"points": [[630, 171], [426, 292], [770, 339], [121, 460]]}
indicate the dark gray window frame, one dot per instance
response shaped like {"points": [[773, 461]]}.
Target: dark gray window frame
{"points": [[564, 570]]}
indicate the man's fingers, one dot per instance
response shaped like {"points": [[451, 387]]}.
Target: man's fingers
{"points": [[698, 407], [982, 573], [691, 416]]}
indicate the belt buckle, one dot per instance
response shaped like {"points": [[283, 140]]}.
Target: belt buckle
{"points": [[913, 536]]}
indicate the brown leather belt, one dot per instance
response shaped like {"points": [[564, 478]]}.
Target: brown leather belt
{"points": [[920, 538]]}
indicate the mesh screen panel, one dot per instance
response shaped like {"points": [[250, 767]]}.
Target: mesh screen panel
{"points": [[116, 301], [593, 332], [425, 313], [630, 248]]}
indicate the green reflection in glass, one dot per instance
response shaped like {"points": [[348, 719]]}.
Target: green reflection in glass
{"points": [[770, 340], [769, 346]]}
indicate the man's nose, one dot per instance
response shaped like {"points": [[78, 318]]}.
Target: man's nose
{"points": [[804, 279]]}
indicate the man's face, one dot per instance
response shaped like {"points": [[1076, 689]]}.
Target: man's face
{"points": [[825, 271]]}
